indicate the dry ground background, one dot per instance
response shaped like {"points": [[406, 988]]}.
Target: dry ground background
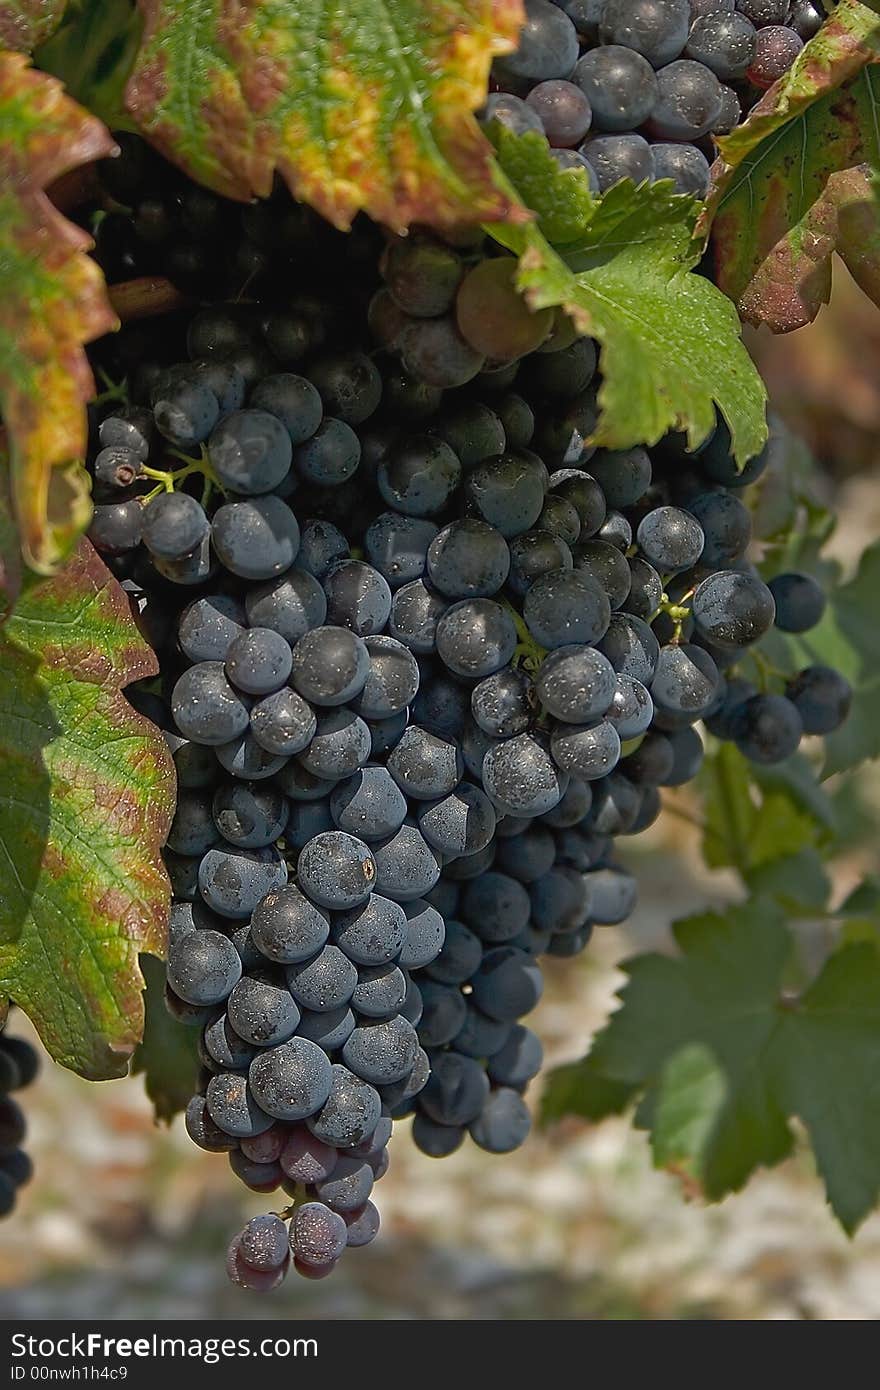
{"points": [[126, 1220]]}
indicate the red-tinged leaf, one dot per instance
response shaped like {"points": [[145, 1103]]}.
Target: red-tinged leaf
{"points": [[24, 24], [85, 803], [53, 302], [791, 185], [858, 226], [359, 106]]}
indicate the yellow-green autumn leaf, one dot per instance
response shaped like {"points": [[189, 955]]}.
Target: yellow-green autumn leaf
{"points": [[793, 184], [26, 23], [362, 104], [53, 301], [86, 799]]}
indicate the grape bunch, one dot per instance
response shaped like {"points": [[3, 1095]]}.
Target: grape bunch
{"points": [[154, 221], [294, 429], [640, 555], [426, 653], [302, 1050], [636, 89], [18, 1067], [546, 883]]}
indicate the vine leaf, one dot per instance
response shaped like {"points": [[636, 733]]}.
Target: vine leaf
{"points": [[579, 1088], [86, 804], [860, 913], [53, 302], [359, 106], [798, 779], [24, 24], [689, 1092], [771, 824], [622, 269], [93, 52], [798, 882], [748, 824], [793, 182], [726, 1059], [168, 1055]]}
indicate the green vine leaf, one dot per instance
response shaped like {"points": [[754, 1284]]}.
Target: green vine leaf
{"points": [[580, 1089], [622, 269], [26, 23], [797, 778], [727, 1058], [747, 824], [358, 106], [54, 300], [797, 881], [87, 800], [689, 1092], [168, 1054], [93, 53], [793, 182]]}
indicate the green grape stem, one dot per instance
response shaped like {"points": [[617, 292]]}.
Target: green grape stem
{"points": [[766, 672], [678, 612], [113, 390], [528, 653], [173, 477], [301, 1196]]}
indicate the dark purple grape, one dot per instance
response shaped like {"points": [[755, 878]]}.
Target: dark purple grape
{"points": [[246, 1277], [822, 698], [805, 18], [687, 166], [620, 86], [547, 45], [564, 110], [317, 1235], [616, 157], [767, 728], [688, 101], [422, 275], [657, 29], [511, 112], [775, 50], [723, 42], [800, 602], [731, 112], [116, 527], [763, 12], [264, 1243]]}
